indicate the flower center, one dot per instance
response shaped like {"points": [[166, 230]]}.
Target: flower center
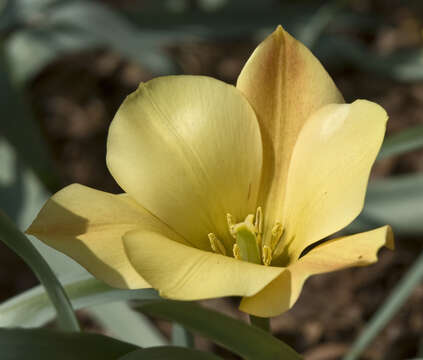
{"points": [[248, 239]]}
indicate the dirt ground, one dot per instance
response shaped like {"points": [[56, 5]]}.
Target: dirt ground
{"points": [[333, 308]]}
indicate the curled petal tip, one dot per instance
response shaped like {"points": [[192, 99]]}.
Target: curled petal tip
{"points": [[279, 29], [390, 243]]}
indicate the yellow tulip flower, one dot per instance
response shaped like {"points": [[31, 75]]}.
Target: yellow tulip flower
{"points": [[225, 187]]}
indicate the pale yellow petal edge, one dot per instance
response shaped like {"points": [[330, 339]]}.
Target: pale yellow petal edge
{"points": [[348, 251], [182, 272]]}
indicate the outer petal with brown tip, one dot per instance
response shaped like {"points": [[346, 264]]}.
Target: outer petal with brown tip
{"points": [[285, 84]]}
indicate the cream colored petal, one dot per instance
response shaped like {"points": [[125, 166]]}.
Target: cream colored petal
{"points": [[184, 273], [88, 225], [329, 171], [188, 149], [355, 250], [285, 84]]}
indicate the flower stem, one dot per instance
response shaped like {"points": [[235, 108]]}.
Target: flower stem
{"points": [[262, 323]]}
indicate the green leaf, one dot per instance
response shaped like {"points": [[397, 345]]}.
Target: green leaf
{"points": [[388, 310], [317, 23], [23, 195], [182, 336], [403, 142], [21, 130], [247, 341], [71, 26], [18, 242], [33, 308], [169, 352], [402, 65], [128, 325], [262, 323], [398, 201], [42, 344]]}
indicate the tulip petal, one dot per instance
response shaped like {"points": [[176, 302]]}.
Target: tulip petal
{"points": [[354, 250], [88, 225], [185, 273], [188, 149], [285, 84], [329, 171]]}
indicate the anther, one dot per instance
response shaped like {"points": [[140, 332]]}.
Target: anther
{"points": [[266, 255], [258, 240], [230, 221], [259, 221], [237, 252], [258, 224], [216, 244], [277, 232]]}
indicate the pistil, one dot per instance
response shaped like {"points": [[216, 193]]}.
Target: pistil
{"points": [[247, 235], [248, 239]]}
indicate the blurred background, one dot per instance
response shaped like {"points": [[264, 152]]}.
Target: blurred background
{"points": [[66, 66]]}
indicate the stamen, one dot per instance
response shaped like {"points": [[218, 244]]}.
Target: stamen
{"points": [[237, 252], [266, 255], [282, 243], [230, 221], [258, 240], [258, 224], [259, 221], [216, 244], [277, 232]]}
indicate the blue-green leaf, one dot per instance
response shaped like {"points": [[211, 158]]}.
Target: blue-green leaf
{"points": [[169, 352], [22, 195], [182, 336], [19, 243], [43, 344], [388, 310], [33, 308], [397, 201], [250, 342], [71, 26], [407, 140]]}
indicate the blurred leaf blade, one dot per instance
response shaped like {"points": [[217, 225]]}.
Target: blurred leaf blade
{"points": [[402, 65], [71, 26], [397, 201], [108, 28], [23, 195], [32, 308], [317, 23], [169, 352], [182, 336], [247, 341], [21, 130], [388, 310], [18, 242], [407, 140], [41, 344], [126, 324]]}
